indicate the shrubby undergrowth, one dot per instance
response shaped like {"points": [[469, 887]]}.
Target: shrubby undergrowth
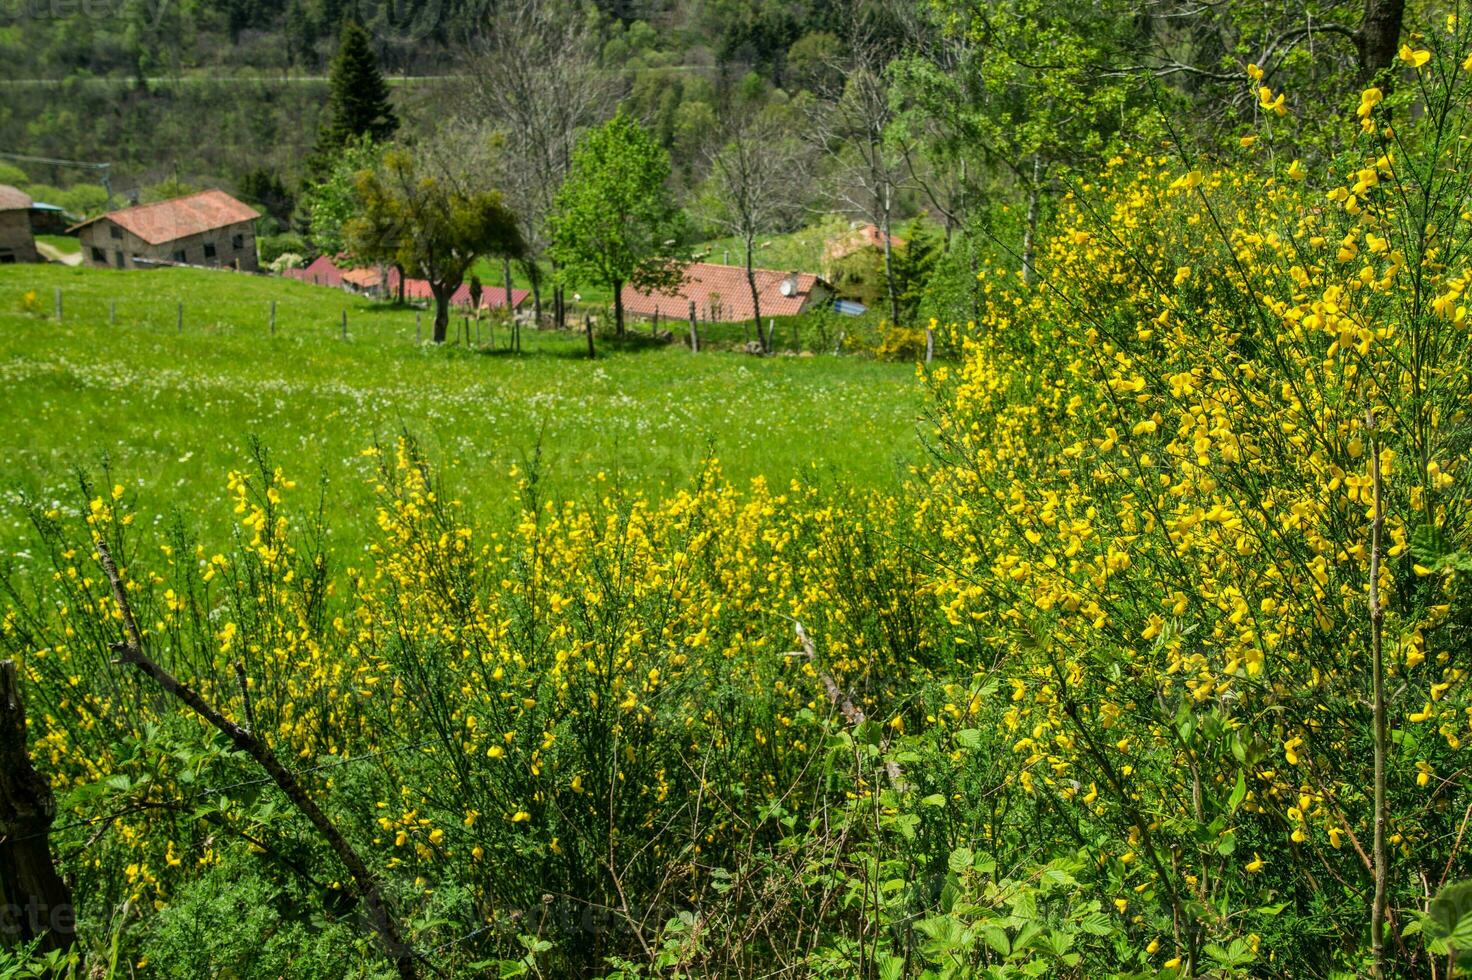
{"points": [[1158, 669]]}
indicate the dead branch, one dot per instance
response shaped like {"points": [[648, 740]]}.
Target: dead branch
{"points": [[131, 651]]}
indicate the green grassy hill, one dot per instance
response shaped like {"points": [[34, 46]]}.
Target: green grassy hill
{"points": [[173, 411], [801, 250]]}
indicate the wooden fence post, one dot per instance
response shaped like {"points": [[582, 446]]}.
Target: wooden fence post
{"points": [[344, 324], [34, 901], [588, 326], [112, 313], [179, 323], [58, 304], [694, 334], [929, 344], [418, 326], [273, 318]]}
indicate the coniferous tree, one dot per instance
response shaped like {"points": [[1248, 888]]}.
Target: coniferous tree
{"points": [[358, 104]]}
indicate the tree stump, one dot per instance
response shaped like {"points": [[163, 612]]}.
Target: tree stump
{"points": [[34, 901]]}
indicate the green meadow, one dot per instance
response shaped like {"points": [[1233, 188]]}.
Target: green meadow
{"points": [[171, 411]]}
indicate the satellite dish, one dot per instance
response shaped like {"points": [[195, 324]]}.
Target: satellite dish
{"points": [[789, 285]]}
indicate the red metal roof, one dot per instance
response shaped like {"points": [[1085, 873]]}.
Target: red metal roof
{"points": [[322, 271], [325, 272], [722, 294], [491, 297], [13, 198], [181, 217]]}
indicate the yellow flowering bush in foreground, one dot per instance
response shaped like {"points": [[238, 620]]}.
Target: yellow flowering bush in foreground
{"points": [[1158, 669], [1206, 485]]}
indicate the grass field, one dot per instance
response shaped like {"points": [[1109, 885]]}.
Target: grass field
{"points": [[65, 244], [173, 411]]}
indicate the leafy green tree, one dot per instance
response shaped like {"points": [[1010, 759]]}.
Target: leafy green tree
{"points": [[614, 220], [329, 204], [419, 216], [358, 103]]}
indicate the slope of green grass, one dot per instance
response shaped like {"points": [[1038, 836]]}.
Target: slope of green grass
{"points": [[65, 244], [801, 250], [172, 411]]}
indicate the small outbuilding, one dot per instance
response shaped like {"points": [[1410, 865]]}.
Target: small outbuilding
{"points": [[17, 242], [209, 228]]}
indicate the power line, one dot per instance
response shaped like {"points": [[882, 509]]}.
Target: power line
{"points": [[105, 169]]}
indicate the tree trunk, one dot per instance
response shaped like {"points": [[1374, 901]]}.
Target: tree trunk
{"points": [[510, 310], [34, 901], [400, 270], [534, 275], [756, 302], [618, 307], [1378, 38], [441, 313], [894, 296]]}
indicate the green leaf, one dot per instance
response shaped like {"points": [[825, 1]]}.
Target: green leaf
{"points": [[1239, 793], [968, 738], [1450, 916]]}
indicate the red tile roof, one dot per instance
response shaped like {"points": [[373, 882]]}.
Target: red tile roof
{"points": [[181, 217], [13, 198], [721, 293]]}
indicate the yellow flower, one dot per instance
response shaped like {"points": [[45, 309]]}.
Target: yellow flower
{"points": [[1413, 57], [1256, 864]]}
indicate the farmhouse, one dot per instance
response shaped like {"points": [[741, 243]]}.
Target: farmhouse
{"points": [[17, 244], [208, 228], [721, 294]]}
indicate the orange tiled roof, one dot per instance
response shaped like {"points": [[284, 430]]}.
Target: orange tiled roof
{"points": [[181, 217], [365, 278]]}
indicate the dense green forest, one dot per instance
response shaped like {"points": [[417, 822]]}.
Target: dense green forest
{"points": [[979, 105]]}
